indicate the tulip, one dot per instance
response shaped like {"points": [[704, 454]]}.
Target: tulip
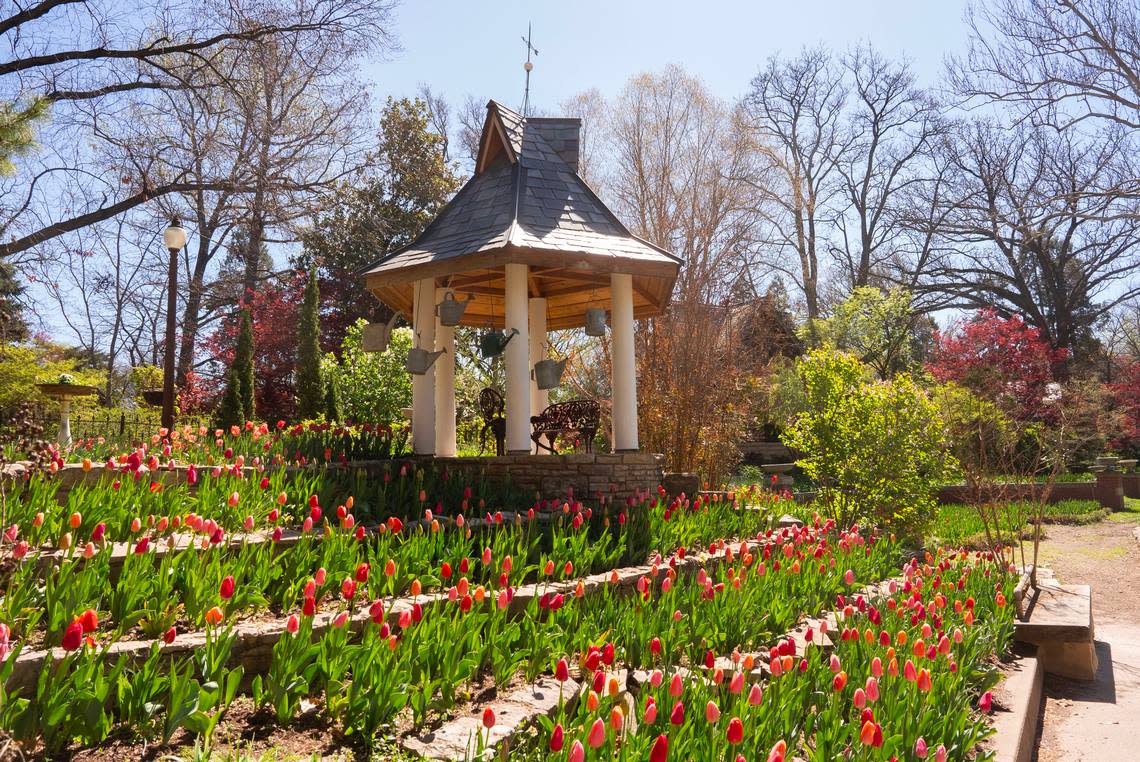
{"points": [[986, 702], [677, 716], [89, 620], [390, 568], [867, 733], [676, 687], [924, 680], [214, 616], [169, 635], [712, 712], [736, 684], [849, 577], [755, 695], [348, 588], [340, 620], [226, 591], [578, 752], [596, 736], [839, 682], [488, 718], [778, 751], [920, 749], [73, 636], [617, 719], [562, 671], [860, 698], [735, 732], [660, 750], [292, 624], [556, 738]]}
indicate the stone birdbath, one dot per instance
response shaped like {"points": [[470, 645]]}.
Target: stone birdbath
{"points": [[65, 392]]}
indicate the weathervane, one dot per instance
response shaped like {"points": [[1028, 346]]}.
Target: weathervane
{"points": [[527, 67]]}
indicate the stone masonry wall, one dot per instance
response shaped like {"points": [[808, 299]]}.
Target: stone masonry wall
{"points": [[589, 474]]}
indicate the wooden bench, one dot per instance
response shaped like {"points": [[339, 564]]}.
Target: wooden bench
{"points": [[576, 417], [1059, 621]]}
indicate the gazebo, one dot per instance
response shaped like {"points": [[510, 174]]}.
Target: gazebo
{"points": [[531, 248]]}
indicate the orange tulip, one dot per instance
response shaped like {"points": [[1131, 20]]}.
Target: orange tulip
{"points": [[214, 616]]}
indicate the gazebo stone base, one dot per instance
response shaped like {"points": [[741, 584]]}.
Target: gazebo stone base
{"points": [[553, 476]]}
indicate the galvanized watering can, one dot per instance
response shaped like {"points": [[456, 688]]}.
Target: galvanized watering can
{"points": [[451, 311], [492, 343], [419, 360], [548, 373], [375, 336], [595, 322]]}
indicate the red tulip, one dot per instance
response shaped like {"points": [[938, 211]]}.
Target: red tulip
{"points": [[488, 718], [89, 620], [597, 735], [735, 731], [309, 607], [561, 671], [986, 703], [226, 591], [660, 750], [677, 716], [73, 636], [362, 573], [169, 635], [348, 588], [556, 738], [292, 624]]}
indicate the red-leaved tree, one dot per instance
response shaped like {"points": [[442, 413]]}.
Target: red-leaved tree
{"points": [[1001, 359], [274, 310]]}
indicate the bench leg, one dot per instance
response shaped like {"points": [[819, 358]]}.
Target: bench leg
{"points": [[1074, 660]]}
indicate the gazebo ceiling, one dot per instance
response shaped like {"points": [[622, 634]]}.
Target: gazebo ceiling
{"points": [[526, 204]]}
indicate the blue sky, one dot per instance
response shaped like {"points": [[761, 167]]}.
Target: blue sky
{"points": [[462, 47]]}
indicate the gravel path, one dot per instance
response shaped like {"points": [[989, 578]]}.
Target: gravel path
{"points": [[1100, 720]]}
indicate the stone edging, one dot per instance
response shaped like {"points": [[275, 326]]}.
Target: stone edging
{"points": [[1020, 694]]}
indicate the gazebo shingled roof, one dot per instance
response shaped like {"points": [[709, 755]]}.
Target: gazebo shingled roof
{"points": [[526, 204]]}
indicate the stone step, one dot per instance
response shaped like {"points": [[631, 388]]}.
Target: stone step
{"points": [[1059, 621], [458, 739]]}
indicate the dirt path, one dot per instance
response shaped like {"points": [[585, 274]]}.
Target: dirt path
{"points": [[1100, 720]]}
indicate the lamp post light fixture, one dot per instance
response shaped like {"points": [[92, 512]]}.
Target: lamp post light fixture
{"points": [[175, 239]]}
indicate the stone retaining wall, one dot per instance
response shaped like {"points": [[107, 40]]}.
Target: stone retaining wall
{"points": [[588, 474]]}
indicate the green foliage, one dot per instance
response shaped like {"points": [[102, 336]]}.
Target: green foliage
{"points": [[879, 328], [309, 389], [373, 386], [12, 324], [23, 366], [876, 448], [980, 436], [333, 406], [17, 131]]}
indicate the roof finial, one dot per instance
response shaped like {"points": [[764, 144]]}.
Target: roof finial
{"points": [[527, 67]]}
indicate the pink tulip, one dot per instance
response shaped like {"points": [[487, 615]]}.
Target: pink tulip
{"points": [[986, 702], [348, 588], [226, 591], [676, 687], [340, 619], [597, 735], [577, 752], [712, 712], [940, 754], [920, 749], [755, 695], [292, 624], [849, 577], [650, 711], [736, 684]]}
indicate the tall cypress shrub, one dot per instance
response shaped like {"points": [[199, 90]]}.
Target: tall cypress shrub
{"points": [[309, 389], [236, 406]]}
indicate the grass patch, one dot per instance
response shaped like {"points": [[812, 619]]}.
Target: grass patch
{"points": [[960, 524], [1130, 514]]}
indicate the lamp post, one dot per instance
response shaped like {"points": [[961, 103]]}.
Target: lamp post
{"points": [[175, 238]]}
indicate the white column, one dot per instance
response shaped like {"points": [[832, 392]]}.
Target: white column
{"points": [[624, 365], [423, 387], [518, 361], [539, 398], [444, 385], [64, 438]]}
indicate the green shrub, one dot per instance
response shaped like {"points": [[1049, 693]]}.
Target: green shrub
{"points": [[876, 448]]}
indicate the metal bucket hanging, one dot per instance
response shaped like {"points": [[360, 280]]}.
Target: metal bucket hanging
{"points": [[492, 343], [420, 360], [375, 336], [548, 373], [451, 311], [595, 322]]}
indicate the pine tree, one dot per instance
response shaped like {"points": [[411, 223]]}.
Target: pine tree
{"points": [[13, 328], [309, 389], [229, 410]]}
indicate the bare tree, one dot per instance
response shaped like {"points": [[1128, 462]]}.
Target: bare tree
{"points": [[1061, 62], [590, 106], [892, 125], [796, 107], [1028, 228], [112, 57]]}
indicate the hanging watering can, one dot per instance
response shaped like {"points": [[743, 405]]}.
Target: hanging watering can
{"points": [[419, 360], [595, 322], [492, 343], [451, 311], [548, 373], [375, 336]]}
